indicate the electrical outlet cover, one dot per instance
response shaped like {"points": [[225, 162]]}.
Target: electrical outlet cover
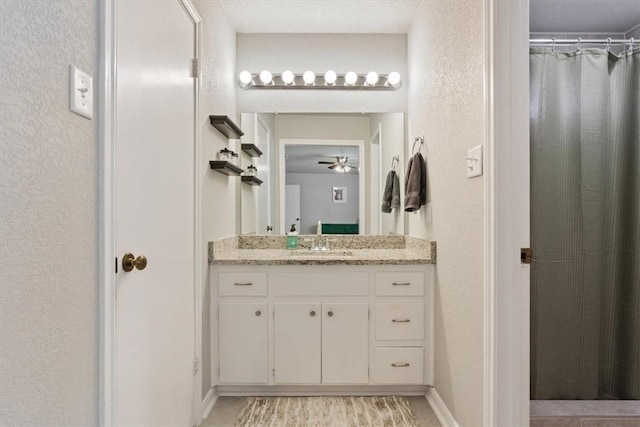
{"points": [[80, 92], [474, 161]]}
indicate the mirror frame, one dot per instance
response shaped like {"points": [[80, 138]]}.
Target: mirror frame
{"points": [[328, 142]]}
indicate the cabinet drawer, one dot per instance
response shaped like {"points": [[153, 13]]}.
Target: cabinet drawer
{"points": [[399, 365], [320, 284], [399, 283], [400, 321], [242, 284]]}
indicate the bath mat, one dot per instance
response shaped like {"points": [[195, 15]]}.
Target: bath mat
{"points": [[348, 411]]}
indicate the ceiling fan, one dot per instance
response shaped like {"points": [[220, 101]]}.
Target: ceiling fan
{"points": [[340, 164]]}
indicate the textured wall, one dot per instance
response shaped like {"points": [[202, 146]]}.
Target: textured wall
{"points": [[361, 53], [220, 193], [446, 54], [49, 201]]}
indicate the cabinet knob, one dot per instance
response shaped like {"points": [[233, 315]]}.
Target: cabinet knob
{"points": [[312, 313], [258, 312], [330, 314]]}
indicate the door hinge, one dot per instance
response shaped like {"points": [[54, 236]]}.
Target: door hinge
{"points": [[196, 67], [116, 265], [525, 255], [369, 314], [273, 372], [196, 364]]}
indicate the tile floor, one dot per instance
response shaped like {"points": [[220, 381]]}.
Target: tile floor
{"points": [[585, 413], [226, 410]]}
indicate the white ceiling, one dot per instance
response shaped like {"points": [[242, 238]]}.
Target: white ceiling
{"points": [[321, 16], [305, 158], [584, 16]]}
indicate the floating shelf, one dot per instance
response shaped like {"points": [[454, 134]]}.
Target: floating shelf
{"points": [[226, 126], [224, 167], [251, 180], [252, 150]]}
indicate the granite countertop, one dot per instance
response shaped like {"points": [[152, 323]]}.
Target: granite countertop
{"points": [[345, 250]]}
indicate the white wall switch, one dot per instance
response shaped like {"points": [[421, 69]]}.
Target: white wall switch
{"points": [[80, 92], [474, 161]]}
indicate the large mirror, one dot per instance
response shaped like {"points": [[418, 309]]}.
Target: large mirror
{"points": [[324, 172]]}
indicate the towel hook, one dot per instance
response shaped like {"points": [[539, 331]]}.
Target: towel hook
{"points": [[415, 141], [394, 162]]}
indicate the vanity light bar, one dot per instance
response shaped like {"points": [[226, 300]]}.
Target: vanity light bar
{"points": [[329, 80]]}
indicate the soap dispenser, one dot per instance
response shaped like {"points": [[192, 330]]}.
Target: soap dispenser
{"points": [[292, 238]]}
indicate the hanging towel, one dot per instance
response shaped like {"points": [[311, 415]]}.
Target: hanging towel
{"points": [[391, 195], [415, 184]]}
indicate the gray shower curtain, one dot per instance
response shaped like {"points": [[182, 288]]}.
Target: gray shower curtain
{"points": [[585, 225]]}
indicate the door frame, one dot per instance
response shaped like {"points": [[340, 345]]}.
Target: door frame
{"points": [[107, 230], [506, 211]]}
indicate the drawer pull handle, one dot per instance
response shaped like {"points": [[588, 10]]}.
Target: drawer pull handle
{"points": [[400, 365], [401, 284], [401, 320], [330, 314], [312, 313], [258, 313], [243, 284]]}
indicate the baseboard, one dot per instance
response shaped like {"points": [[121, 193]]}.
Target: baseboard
{"points": [[440, 409], [208, 402], [291, 390]]}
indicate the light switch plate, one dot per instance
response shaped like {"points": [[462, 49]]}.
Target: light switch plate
{"points": [[80, 92], [474, 161]]}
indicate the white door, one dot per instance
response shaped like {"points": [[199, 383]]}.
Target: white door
{"points": [[292, 207], [297, 343], [244, 357], [345, 343], [155, 149]]}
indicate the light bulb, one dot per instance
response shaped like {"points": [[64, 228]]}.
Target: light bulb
{"points": [[288, 77], [350, 78], [330, 77], [309, 77], [372, 78], [393, 78], [346, 168], [266, 78], [245, 77]]}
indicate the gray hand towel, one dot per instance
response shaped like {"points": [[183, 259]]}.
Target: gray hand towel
{"points": [[387, 196], [395, 191], [415, 184]]}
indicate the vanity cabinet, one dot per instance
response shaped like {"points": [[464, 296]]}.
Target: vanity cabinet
{"points": [[298, 327], [324, 343]]}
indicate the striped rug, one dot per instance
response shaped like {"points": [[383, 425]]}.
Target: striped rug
{"points": [[375, 411]]}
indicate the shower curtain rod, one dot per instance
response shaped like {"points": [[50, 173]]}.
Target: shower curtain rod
{"points": [[584, 41]]}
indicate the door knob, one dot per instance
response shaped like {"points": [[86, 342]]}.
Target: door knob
{"points": [[129, 261]]}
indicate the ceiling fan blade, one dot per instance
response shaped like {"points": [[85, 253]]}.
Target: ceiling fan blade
{"points": [[326, 163], [333, 166]]}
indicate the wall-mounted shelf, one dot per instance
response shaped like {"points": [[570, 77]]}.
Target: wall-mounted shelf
{"points": [[226, 126], [252, 150], [251, 180], [224, 167]]}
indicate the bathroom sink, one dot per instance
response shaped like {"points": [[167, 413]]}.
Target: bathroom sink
{"points": [[320, 253]]}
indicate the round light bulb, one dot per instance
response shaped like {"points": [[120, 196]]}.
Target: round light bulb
{"points": [[245, 77], [393, 78], [266, 77], [372, 78], [287, 77], [350, 78], [330, 77], [309, 77]]}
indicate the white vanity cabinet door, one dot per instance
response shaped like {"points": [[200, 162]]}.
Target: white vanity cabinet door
{"points": [[243, 343], [297, 346], [345, 343]]}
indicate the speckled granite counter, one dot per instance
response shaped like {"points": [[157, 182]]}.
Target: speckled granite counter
{"points": [[345, 250]]}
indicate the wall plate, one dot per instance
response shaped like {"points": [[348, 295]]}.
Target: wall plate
{"points": [[80, 92]]}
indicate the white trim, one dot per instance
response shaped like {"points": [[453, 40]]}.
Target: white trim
{"points": [[207, 403], [440, 409], [506, 306], [106, 273], [198, 277], [362, 173], [321, 390]]}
